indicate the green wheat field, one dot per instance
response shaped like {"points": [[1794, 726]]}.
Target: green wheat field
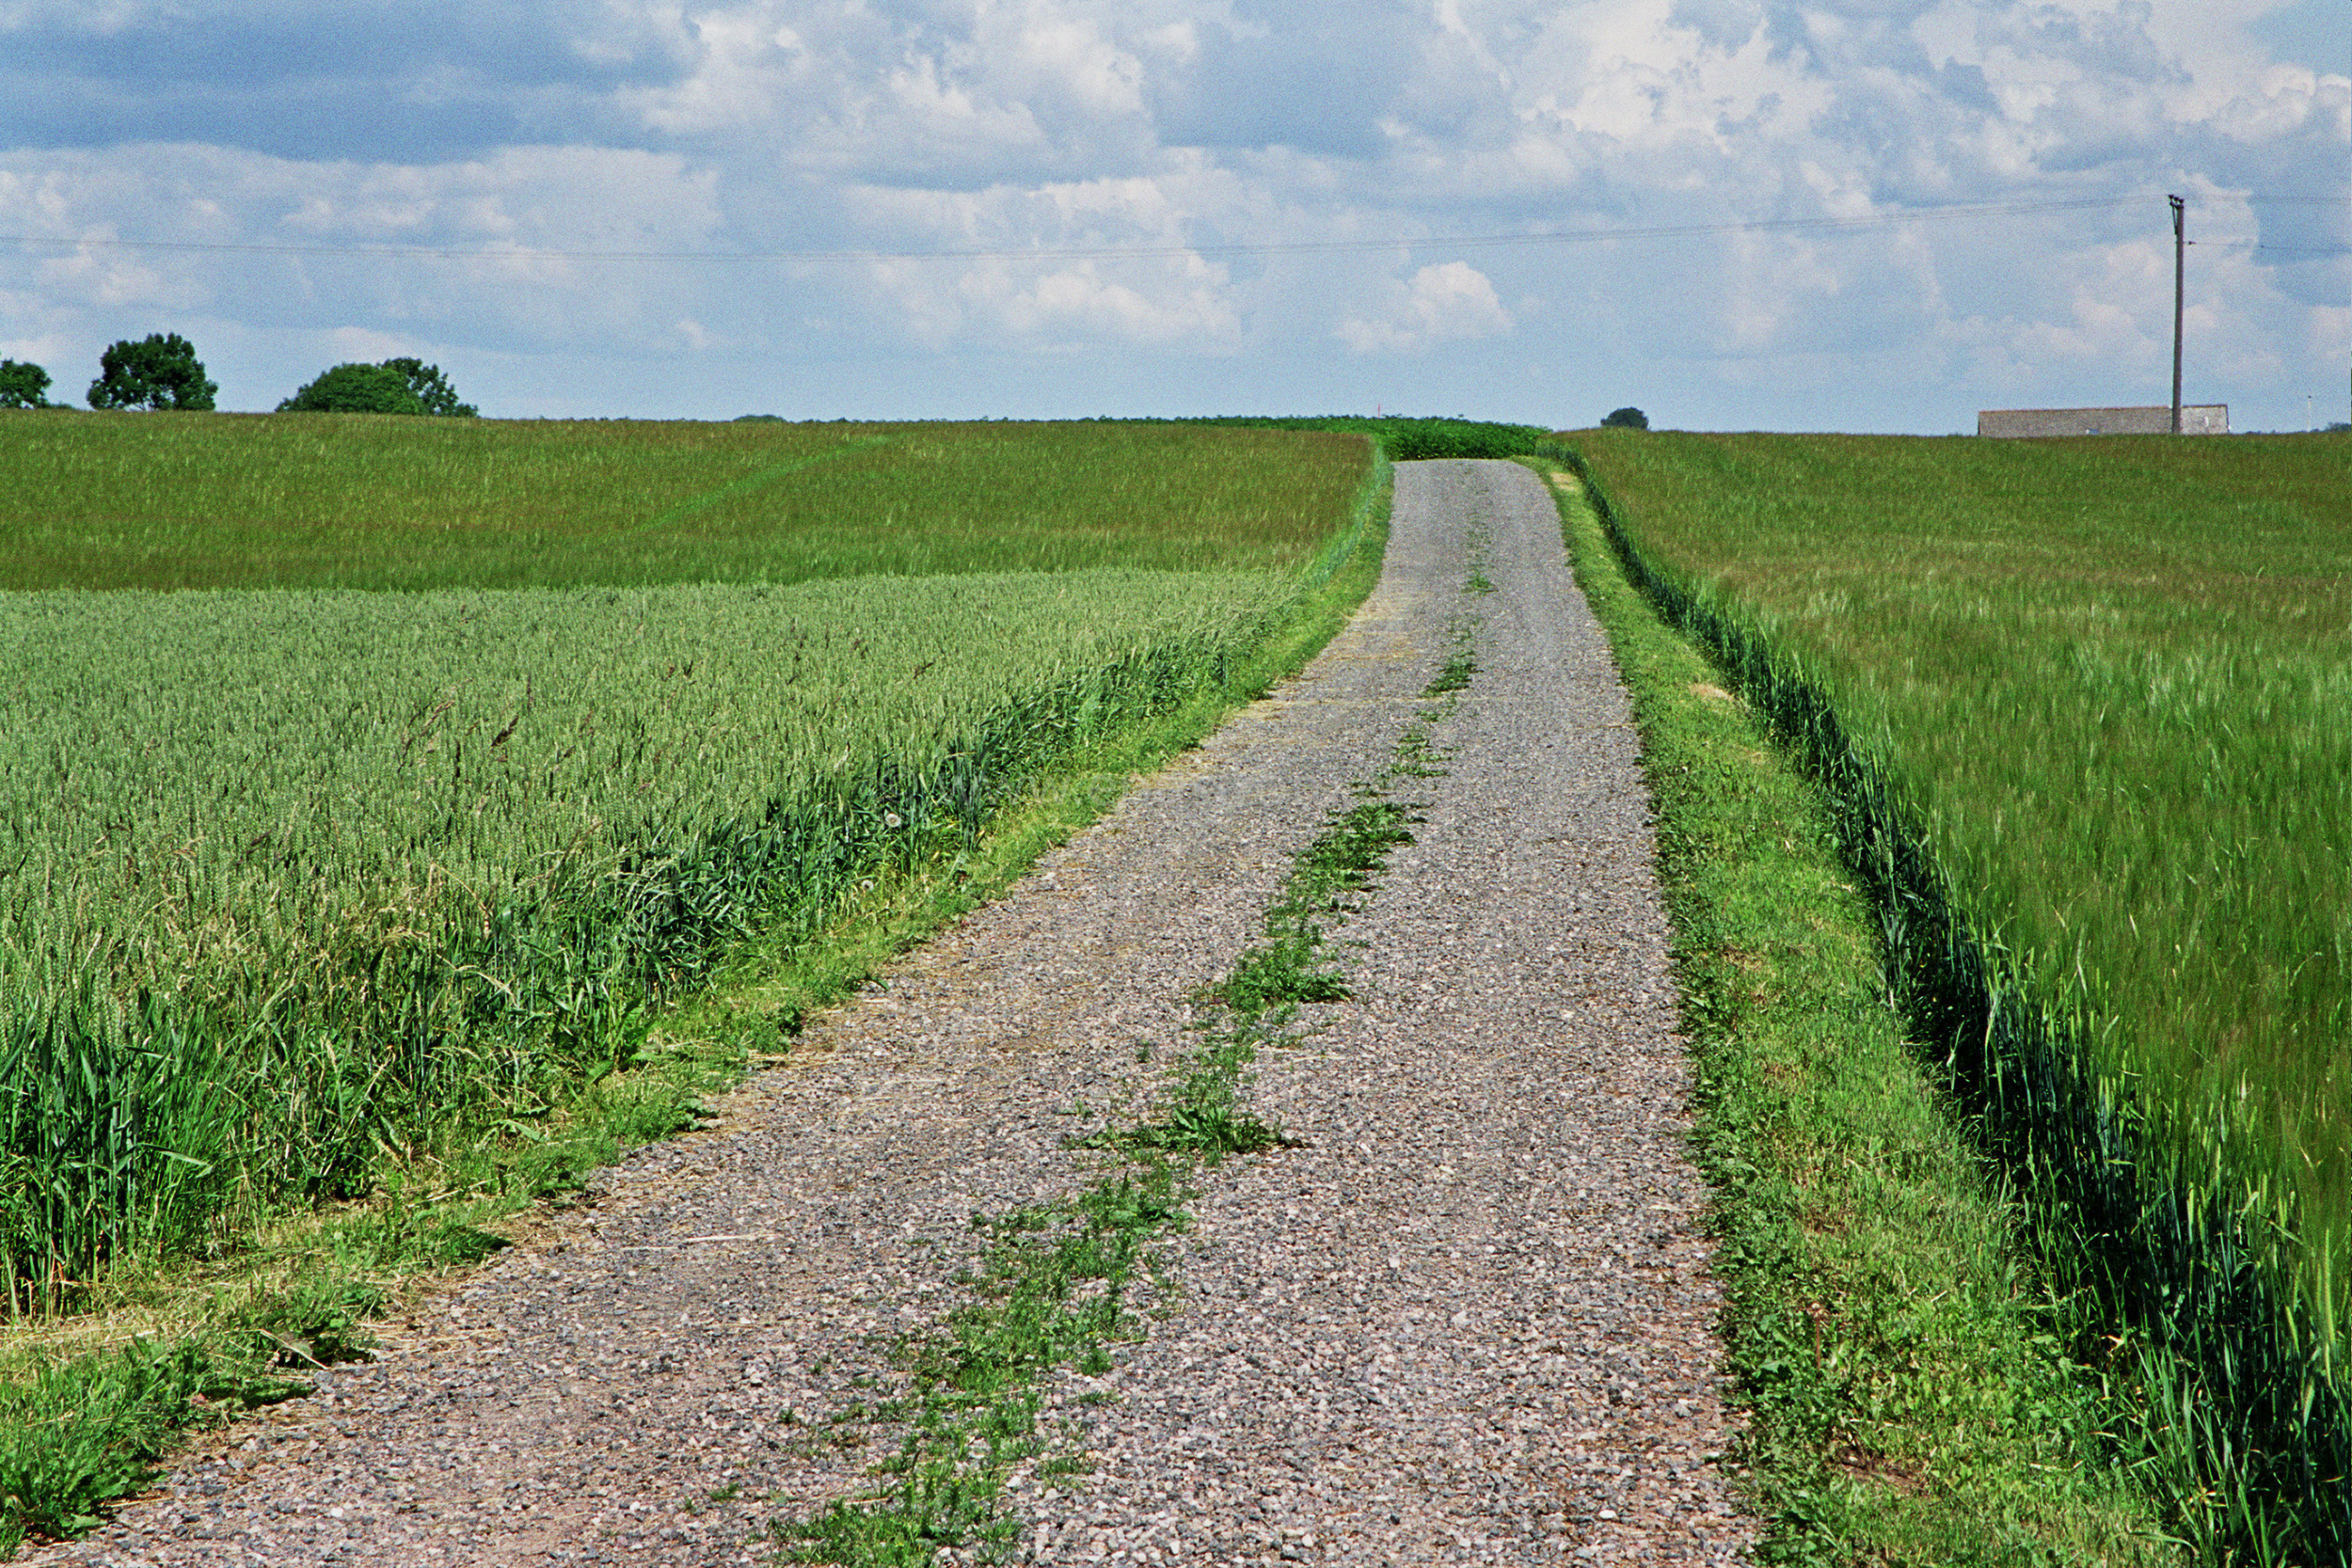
{"points": [[366, 778]]}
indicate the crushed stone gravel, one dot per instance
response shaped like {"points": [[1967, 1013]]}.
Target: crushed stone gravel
{"points": [[1465, 1319]]}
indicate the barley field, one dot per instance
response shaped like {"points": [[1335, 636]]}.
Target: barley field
{"points": [[2089, 707]]}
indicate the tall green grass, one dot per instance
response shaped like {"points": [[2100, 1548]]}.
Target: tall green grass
{"points": [[1909, 1400], [295, 884], [1407, 439], [2085, 704], [341, 500]]}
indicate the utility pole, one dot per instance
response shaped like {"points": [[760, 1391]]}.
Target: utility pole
{"points": [[2180, 257]]}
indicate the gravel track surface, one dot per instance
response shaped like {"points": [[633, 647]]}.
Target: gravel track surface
{"points": [[1466, 1321]]}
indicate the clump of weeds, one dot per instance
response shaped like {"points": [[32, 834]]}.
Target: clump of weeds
{"points": [[1057, 1283]]}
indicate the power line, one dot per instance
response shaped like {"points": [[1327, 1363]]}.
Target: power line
{"points": [[1099, 253]]}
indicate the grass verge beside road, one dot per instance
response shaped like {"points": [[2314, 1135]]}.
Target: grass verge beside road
{"points": [[1908, 1395]]}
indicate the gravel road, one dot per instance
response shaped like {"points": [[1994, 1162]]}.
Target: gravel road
{"points": [[1465, 1321]]}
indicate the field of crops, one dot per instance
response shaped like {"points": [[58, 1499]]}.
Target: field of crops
{"points": [[291, 877], [350, 502], [2089, 709]]}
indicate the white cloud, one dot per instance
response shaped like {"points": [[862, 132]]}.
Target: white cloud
{"points": [[365, 345], [1453, 302], [1188, 127], [1077, 305], [1165, 293], [1038, 85], [2330, 334]]}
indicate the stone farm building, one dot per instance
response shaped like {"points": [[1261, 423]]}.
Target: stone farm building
{"points": [[2198, 418]]}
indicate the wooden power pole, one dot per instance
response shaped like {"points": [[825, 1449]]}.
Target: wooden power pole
{"points": [[2179, 254]]}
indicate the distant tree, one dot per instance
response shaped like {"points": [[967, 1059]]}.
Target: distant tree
{"points": [[23, 385], [160, 370], [394, 386], [356, 389], [433, 389], [1628, 418]]}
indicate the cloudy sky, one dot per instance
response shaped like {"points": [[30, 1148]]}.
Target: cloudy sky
{"points": [[1794, 214]]}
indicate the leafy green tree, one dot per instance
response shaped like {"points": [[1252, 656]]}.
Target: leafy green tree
{"points": [[160, 370], [433, 389], [23, 385], [394, 386], [1627, 419], [356, 389]]}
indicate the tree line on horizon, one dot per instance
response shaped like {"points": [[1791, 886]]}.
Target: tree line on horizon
{"points": [[160, 372]]}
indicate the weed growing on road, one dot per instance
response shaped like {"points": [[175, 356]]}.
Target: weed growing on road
{"points": [[1055, 1284], [1290, 966], [1052, 1288], [1415, 757], [1480, 540], [1460, 664]]}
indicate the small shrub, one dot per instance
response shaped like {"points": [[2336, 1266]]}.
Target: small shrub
{"points": [[354, 389], [394, 386]]}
